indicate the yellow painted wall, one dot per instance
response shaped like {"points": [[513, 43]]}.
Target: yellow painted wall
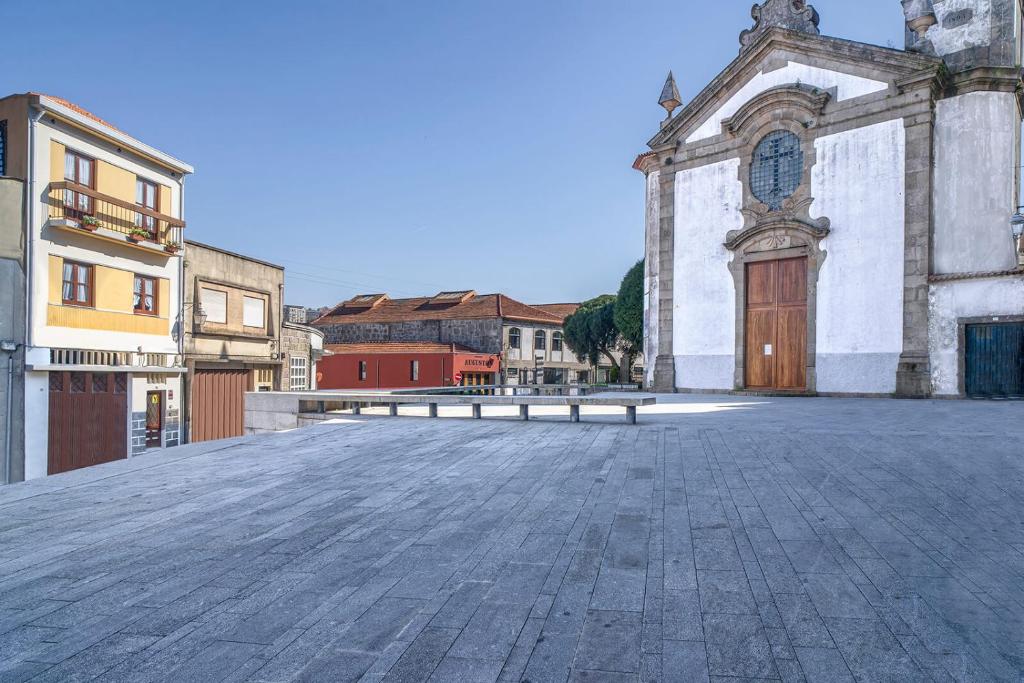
{"points": [[56, 162], [113, 289], [56, 279], [115, 181], [165, 200], [91, 319], [114, 295]]}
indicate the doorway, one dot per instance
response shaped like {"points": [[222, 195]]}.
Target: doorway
{"points": [[776, 324], [154, 419]]}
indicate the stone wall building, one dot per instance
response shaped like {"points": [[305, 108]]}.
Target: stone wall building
{"points": [[833, 217], [233, 336], [528, 338]]}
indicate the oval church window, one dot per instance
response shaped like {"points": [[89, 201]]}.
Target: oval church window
{"points": [[777, 168]]}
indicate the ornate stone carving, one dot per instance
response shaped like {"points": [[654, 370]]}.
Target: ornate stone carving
{"points": [[795, 15]]}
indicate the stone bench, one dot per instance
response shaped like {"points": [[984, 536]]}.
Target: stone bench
{"points": [[274, 411]]}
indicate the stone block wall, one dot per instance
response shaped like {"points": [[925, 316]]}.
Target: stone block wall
{"points": [[482, 334]]}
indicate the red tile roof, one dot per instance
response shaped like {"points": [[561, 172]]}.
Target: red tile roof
{"points": [[398, 347], [78, 110], [561, 311], [481, 306]]}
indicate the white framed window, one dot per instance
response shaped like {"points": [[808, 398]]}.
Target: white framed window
{"points": [[215, 305], [414, 371], [299, 374], [253, 310]]}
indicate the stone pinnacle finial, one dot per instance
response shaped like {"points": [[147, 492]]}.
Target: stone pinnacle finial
{"points": [[795, 15], [669, 96], [920, 16]]}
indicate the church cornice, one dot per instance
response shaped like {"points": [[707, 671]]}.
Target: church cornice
{"points": [[892, 64], [795, 97], [764, 225]]}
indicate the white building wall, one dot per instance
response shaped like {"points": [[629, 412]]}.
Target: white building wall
{"points": [[707, 206], [652, 239], [950, 301], [847, 86], [88, 249], [858, 183], [975, 155]]}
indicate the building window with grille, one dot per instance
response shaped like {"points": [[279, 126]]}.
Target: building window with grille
{"points": [[777, 168], [414, 370], [514, 336], [362, 371], [77, 284], [144, 295], [299, 374], [146, 196], [78, 169], [540, 340], [556, 341]]}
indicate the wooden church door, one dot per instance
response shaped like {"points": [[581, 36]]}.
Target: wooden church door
{"points": [[776, 324]]}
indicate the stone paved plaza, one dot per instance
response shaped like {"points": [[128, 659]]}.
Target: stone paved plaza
{"points": [[721, 538]]}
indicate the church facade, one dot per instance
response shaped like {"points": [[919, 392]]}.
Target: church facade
{"points": [[833, 217]]}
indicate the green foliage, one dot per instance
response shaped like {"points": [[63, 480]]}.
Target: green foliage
{"points": [[629, 306], [590, 331]]}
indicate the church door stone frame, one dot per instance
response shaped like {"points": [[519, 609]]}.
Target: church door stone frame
{"points": [[788, 232]]}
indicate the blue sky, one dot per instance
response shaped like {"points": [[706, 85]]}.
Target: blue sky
{"points": [[403, 147]]}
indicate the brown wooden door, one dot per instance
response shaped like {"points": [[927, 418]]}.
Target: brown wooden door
{"points": [[776, 324], [88, 420], [218, 398], [154, 419]]}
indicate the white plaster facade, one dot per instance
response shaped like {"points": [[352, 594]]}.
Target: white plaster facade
{"points": [[150, 359], [911, 176]]}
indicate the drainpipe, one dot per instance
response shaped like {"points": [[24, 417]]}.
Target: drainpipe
{"points": [[30, 199], [185, 382], [8, 427]]}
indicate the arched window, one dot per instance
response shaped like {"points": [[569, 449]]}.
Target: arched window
{"points": [[513, 338], [556, 341], [540, 340], [777, 168]]}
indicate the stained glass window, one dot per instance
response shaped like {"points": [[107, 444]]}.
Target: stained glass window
{"points": [[777, 168]]}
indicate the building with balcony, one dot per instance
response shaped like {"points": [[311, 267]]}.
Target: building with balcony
{"points": [[102, 233]]}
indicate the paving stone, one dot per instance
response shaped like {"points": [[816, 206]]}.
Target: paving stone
{"points": [[745, 537], [610, 642]]}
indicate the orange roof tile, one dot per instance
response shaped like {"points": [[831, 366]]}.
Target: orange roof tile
{"points": [[78, 110], [429, 308], [561, 311]]}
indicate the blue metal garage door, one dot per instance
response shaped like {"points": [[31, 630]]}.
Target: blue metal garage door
{"points": [[994, 364]]}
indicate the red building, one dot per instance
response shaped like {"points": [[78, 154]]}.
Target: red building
{"points": [[404, 365]]}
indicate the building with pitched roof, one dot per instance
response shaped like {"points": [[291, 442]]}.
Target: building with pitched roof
{"points": [[833, 217], [527, 339], [101, 230]]}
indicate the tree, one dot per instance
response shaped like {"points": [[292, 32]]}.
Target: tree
{"points": [[629, 317], [590, 332]]}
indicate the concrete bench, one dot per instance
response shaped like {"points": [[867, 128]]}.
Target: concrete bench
{"points": [[272, 411]]}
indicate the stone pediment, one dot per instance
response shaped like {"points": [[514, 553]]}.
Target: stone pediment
{"points": [[779, 56]]}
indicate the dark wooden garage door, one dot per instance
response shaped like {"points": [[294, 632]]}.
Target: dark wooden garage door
{"points": [[217, 403], [88, 419], [994, 364]]}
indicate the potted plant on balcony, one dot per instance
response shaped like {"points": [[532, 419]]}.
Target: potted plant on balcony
{"points": [[171, 247], [89, 223], [136, 235]]}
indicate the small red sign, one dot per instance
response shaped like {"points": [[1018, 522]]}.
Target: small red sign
{"points": [[458, 378]]}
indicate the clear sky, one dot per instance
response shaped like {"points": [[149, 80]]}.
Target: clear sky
{"points": [[403, 147]]}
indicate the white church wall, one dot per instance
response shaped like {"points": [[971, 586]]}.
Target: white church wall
{"points": [[975, 141], [947, 37], [950, 301], [651, 270], [847, 86], [707, 206], [858, 183]]}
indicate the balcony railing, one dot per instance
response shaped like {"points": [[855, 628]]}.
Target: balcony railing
{"points": [[92, 211]]}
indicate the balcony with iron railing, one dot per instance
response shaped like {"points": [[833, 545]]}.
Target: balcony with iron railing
{"points": [[79, 208]]}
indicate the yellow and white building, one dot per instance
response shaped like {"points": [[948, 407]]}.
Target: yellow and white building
{"points": [[103, 233]]}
